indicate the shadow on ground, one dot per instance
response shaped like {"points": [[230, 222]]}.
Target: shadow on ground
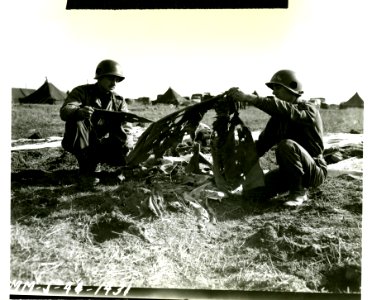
{"points": [[37, 177]]}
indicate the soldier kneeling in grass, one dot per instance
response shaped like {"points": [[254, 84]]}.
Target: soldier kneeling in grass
{"points": [[296, 129], [91, 138]]}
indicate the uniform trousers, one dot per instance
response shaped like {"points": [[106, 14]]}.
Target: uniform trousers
{"points": [[90, 149], [296, 171]]}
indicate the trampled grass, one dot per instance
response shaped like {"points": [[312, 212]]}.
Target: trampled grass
{"points": [[61, 235]]}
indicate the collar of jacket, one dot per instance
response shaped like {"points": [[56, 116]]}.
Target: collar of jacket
{"points": [[112, 96]]}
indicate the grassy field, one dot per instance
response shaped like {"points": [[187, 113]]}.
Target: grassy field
{"points": [[30, 118], [60, 234]]}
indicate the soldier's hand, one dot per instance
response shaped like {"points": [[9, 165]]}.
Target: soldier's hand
{"points": [[251, 98], [85, 112], [234, 93], [239, 96]]}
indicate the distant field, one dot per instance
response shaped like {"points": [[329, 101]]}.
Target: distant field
{"points": [[27, 119]]}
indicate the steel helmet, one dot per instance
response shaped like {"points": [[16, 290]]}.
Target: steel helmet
{"points": [[109, 67], [287, 79]]}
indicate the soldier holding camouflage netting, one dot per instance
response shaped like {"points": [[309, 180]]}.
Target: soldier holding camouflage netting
{"points": [[89, 136], [296, 130]]}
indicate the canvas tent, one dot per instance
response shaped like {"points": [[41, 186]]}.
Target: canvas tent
{"points": [[354, 101], [18, 93], [170, 97], [46, 94]]}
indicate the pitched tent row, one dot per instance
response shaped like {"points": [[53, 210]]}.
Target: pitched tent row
{"points": [[170, 97], [354, 101], [48, 93], [45, 94], [18, 93]]}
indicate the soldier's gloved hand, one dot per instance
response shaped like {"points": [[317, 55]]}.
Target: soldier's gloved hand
{"points": [[239, 96], [251, 98], [234, 93], [85, 112]]}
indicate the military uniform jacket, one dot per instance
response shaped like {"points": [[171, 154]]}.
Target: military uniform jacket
{"points": [[299, 121], [90, 95]]}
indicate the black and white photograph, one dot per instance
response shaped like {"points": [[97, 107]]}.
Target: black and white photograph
{"points": [[186, 153]]}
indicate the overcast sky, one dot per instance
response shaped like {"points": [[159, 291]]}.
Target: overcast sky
{"points": [[193, 51]]}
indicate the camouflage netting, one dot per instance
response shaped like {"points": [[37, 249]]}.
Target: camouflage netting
{"points": [[235, 161], [229, 163]]}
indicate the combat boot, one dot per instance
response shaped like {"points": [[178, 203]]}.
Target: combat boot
{"points": [[87, 171], [297, 194], [87, 182], [296, 198]]}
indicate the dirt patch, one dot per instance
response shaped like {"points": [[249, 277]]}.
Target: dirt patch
{"points": [[109, 226], [266, 237], [343, 277]]}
